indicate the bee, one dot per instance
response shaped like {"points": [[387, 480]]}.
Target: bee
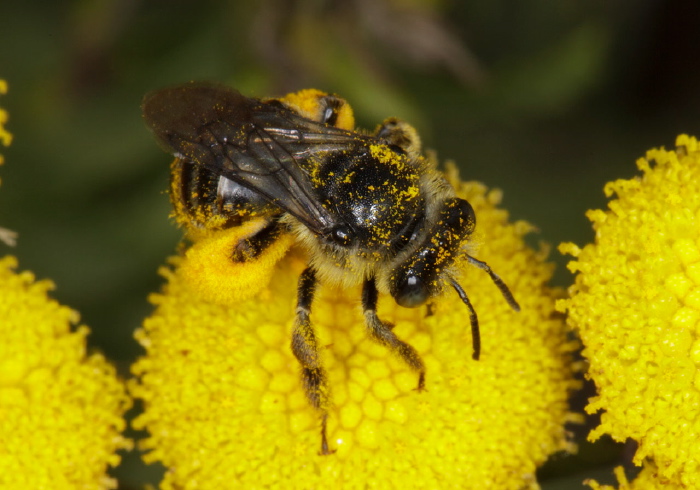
{"points": [[368, 209]]}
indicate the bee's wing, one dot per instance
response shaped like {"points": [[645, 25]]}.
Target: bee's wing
{"points": [[259, 145]]}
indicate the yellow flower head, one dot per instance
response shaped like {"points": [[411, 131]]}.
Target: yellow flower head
{"points": [[636, 304], [60, 409], [225, 407]]}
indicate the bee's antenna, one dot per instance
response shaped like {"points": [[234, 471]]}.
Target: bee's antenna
{"points": [[476, 336], [496, 280]]}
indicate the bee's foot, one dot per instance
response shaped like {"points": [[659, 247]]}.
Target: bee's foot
{"points": [[421, 383], [326, 452]]}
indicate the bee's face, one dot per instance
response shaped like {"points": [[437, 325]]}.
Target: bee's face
{"points": [[414, 281], [367, 209]]}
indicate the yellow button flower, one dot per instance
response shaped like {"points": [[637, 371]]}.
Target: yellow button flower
{"points": [[636, 304], [225, 408], [60, 409]]}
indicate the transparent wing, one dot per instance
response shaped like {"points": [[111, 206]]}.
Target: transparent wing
{"points": [[263, 146]]}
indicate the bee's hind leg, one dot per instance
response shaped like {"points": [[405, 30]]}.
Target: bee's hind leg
{"points": [[253, 246], [305, 348], [381, 332]]}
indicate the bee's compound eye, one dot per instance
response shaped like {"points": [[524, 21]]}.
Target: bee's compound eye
{"points": [[411, 292], [340, 235]]}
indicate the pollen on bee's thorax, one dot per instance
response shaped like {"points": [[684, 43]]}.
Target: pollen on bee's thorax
{"points": [[384, 155]]}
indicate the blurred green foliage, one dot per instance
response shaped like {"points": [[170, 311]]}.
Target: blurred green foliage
{"points": [[545, 100]]}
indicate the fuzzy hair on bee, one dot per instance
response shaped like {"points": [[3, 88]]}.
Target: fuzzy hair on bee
{"points": [[367, 208]]}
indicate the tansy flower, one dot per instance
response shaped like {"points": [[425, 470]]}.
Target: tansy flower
{"points": [[60, 409], [648, 479], [225, 408], [636, 304]]}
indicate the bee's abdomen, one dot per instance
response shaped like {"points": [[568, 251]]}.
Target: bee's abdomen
{"points": [[204, 199]]}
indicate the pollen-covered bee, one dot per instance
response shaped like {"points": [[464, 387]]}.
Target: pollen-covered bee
{"points": [[367, 208]]}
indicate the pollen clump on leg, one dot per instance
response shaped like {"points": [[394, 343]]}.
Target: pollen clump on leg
{"points": [[208, 268]]}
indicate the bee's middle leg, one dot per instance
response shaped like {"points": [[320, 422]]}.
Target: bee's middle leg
{"points": [[305, 348], [381, 332]]}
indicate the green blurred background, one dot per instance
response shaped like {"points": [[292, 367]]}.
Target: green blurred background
{"points": [[545, 100]]}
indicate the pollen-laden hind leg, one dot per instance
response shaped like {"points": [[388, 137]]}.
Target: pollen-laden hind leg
{"points": [[305, 348], [381, 332], [252, 247]]}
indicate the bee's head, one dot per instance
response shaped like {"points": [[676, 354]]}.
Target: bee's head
{"points": [[418, 278]]}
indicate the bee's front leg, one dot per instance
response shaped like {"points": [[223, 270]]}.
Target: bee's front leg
{"points": [[381, 332], [305, 348]]}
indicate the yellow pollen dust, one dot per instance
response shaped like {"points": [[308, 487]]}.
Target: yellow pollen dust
{"points": [[385, 155]]}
